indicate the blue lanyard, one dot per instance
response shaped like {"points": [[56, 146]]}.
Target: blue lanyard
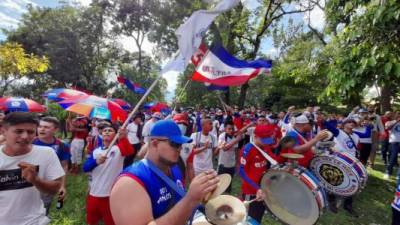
{"points": [[169, 182]]}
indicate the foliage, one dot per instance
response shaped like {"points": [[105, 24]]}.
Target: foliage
{"points": [[366, 52], [15, 64], [74, 41]]}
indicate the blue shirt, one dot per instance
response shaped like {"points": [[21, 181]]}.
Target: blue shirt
{"points": [[60, 148], [163, 197]]}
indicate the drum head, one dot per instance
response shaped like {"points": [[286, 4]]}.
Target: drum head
{"points": [[289, 198], [336, 175]]}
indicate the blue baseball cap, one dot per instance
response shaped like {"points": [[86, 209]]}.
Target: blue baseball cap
{"points": [[169, 129]]}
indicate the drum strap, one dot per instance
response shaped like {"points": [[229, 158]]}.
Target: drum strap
{"points": [[168, 181], [355, 146], [266, 156]]}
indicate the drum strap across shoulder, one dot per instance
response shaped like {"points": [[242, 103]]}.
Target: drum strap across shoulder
{"points": [[351, 139], [168, 181]]}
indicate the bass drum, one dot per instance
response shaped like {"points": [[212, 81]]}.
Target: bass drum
{"points": [[200, 219], [293, 195], [340, 173]]}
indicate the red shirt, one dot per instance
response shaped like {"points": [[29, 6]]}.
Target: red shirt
{"points": [[253, 165], [308, 155]]}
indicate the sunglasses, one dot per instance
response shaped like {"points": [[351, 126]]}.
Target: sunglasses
{"points": [[171, 143]]}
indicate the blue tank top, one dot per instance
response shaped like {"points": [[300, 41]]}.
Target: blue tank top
{"points": [[163, 197]]}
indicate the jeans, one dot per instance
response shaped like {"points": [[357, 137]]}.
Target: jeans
{"points": [[385, 151], [394, 150], [395, 217], [256, 208]]}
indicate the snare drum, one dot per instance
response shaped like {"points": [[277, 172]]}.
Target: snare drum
{"points": [[340, 173], [293, 195]]}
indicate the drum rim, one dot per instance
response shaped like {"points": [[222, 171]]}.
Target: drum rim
{"points": [[315, 206]]}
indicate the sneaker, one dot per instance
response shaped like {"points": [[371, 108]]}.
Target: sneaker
{"points": [[351, 212], [333, 208], [386, 177]]}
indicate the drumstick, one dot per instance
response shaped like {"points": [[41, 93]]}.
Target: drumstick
{"points": [[266, 156]]}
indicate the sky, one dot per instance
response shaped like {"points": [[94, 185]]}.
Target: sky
{"points": [[11, 11]]}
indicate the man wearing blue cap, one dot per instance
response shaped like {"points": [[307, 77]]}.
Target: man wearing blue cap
{"points": [[151, 190]]}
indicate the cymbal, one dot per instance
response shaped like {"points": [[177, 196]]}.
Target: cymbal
{"points": [[225, 210], [292, 156], [224, 181]]}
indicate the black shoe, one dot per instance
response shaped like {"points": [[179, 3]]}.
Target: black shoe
{"points": [[351, 212], [333, 208]]}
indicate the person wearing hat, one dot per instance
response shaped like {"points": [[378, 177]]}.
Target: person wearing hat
{"points": [[105, 166], [253, 165], [302, 127], [149, 191], [345, 141], [149, 124]]}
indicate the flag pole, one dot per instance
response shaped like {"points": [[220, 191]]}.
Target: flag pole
{"points": [[179, 95], [152, 86], [223, 103]]}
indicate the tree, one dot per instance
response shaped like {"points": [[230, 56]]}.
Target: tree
{"points": [[15, 64], [74, 40], [366, 52]]}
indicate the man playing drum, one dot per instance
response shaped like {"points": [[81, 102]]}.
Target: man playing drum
{"points": [[147, 192], [253, 165], [345, 141], [301, 133]]}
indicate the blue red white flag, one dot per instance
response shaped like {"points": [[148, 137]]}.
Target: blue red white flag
{"points": [[216, 66], [130, 85]]}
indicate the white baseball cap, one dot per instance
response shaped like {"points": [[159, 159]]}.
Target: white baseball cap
{"points": [[302, 119]]}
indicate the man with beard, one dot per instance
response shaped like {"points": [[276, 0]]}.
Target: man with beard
{"points": [[150, 191]]}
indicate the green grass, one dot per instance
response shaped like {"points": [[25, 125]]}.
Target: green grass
{"points": [[372, 204]]}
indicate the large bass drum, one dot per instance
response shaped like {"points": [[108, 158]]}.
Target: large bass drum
{"points": [[340, 173], [293, 195]]}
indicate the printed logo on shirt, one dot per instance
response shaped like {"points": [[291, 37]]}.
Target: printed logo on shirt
{"points": [[349, 144], [397, 129], [242, 161], [179, 184], [13, 180], [164, 195]]}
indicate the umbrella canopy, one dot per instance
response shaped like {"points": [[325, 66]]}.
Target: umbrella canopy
{"points": [[19, 104], [124, 105], [94, 107], [60, 94], [156, 107]]}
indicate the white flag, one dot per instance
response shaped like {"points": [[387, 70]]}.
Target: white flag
{"points": [[193, 30]]}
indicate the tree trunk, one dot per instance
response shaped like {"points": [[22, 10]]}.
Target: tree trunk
{"points": [[243, 92], [386, 95]]}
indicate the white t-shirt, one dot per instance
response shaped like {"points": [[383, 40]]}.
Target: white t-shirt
{"points": [[215, 128], [20, 201], [146, 130], [343, 143], [185, 152], [227, 158], [104, 175], [203, 160], [132, 133], [394, 133]]}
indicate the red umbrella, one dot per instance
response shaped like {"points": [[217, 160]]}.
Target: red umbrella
{"points": [[19, 104]]}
